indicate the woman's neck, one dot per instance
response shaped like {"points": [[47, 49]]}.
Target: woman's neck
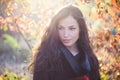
{"points": [[73, 49]]}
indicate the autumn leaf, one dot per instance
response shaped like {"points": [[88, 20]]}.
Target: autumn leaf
{"points": [[1, 78]]}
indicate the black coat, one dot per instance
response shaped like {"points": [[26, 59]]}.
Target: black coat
{"points": [[66, 74]]}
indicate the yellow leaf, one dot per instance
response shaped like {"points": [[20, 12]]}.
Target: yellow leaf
{"points": [[24, 79], [1, 78]]}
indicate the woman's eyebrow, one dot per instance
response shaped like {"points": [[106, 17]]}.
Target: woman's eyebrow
{"points": [[60, 26], [72, 26]]}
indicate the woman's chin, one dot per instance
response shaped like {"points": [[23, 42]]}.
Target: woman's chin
{"points": [[67, 44]]}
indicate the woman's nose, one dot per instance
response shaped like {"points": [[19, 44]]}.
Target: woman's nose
{"points": [[66, 33]]}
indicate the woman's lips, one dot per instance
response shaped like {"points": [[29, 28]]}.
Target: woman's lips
{"points": [[66, 40]]}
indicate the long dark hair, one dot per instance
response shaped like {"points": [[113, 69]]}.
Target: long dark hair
{"points": [[49, 54]]}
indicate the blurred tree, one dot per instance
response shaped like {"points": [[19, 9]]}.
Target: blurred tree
{"points": [[3, 7]]}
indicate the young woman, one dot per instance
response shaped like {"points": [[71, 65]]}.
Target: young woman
{"points": [[65, 52]]}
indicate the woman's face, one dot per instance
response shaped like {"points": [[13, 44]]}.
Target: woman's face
{"points": [[68, 29]]}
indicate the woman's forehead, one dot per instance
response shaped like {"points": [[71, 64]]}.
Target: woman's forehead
{"points": [[68, 21]]}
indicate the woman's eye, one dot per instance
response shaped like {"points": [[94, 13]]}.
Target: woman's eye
{"points": [[60, 28], [72, 28]]}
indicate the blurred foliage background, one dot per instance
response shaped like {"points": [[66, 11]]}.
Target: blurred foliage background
{"points": [[22, 23]]}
